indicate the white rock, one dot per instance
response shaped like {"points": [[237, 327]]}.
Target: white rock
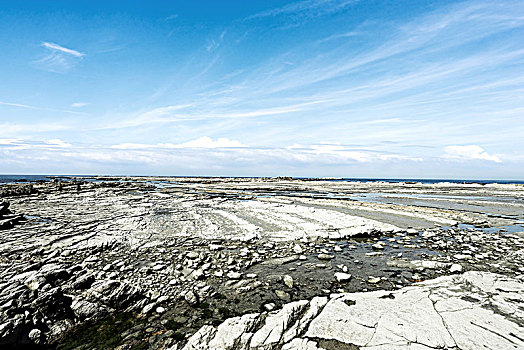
{"points": [[298, 249], [234, 275], [374, 280], [455, 268], [475, 310], [342, 277], [35, 335], [270, 306], [378, 246], [324, 256], [147, 309], [288, 281]]}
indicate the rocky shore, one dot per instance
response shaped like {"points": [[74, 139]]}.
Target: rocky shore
{"points": [[172, 263]]}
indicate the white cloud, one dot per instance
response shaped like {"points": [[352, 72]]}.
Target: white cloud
{"points": [[19, 105], [56, 47], [202, 142], [207, 142], [301, 11], [470, 152], [58, 59], [9, 141], [58, 143], [17, 130], [79, 104]]}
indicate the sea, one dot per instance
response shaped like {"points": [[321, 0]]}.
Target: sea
{"points": [[4, 179]]}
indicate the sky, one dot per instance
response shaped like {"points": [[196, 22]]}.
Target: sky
{"points": [[309, 88]]}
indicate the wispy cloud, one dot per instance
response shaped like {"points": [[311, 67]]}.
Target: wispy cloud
{"points": [[299, 12], [58, 143], [214, 44], [79, 104], [438, 87], [202, 142], [179, 113], [11, 129], [58, 59], [19, 105], [56, 47]]}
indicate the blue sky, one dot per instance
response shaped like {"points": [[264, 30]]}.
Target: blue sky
{"points": [[406, 89]]}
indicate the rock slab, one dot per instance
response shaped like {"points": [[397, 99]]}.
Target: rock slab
{"points": [[475, 310]]}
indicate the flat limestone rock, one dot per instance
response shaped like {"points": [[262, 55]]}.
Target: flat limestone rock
{"points": [[475, 310]]}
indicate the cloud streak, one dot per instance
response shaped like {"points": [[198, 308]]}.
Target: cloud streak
{"points": [[58, 59], [65, 50], [19, 105]]}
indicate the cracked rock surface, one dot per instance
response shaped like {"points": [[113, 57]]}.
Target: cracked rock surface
{"points": [[146, 263], [475, 310]]}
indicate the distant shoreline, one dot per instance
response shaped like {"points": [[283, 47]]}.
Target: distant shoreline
{"points": [[35, 178]]}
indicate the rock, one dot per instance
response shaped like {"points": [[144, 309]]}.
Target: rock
{"points": [[35, 335], [83, 282], [412, 232], [275, 324], [428, 264], [84, 309], [455, 268], [342, 277], [147, 309], [324, 256], [53, 273], [462, 256], [374, 280], [114, 294], [4, 208], [476, 310], [298, 249], [159, 267], [282, 295], [191, 298], [35, 282], [288, 281], [378, 246], [160, 310], [192, 255], [234, 275], [374, 254], [269, 306], [54, 304]]}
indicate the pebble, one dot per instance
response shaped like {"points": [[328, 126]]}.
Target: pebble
{"points": [[324, 256], [455, 268], [234, 275], [342, 277], [288, 281]]}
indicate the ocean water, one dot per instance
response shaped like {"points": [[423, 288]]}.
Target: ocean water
{"points": [[434, 181], [30, 178], [35, 178]]}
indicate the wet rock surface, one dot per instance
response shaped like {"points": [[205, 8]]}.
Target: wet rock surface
{"points": [[8, 219], [146, 263]]}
